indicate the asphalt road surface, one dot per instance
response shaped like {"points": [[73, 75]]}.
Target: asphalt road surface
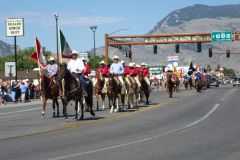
{"points": [[190, 126]]}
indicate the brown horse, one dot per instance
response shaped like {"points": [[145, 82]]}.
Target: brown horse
{"points": [[176, 85], [132, 92], [71, 91], [49, 90], [144, 87], [113, 92], [170, 85], [98, 91]]}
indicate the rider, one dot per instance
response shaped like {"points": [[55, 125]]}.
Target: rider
{"points": [[76, 67], [118, 69], [133, 72], [104, 70], [145, 73], [87, 67], [52, 69], [198, 75]]}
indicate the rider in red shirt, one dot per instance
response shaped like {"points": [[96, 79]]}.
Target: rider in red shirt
{"points": [[104, 70], [133, 72], [87, 67], [145, 72]]}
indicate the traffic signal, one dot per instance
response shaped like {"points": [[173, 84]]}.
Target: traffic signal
{"points": [[130, 54], [199, 47], [210, 52], [177, 48], [155, 49], [228, 53], [126, 54]]}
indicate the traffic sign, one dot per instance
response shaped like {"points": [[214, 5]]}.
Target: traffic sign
{"points": [[156, 70], [14, 27], [10, 69], [172, 58], [222, 36]]}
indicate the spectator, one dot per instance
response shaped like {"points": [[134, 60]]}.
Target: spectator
{"points": [[23, 88], [13, 91]]}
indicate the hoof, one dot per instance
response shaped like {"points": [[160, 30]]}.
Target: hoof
{"points": [[147, 103], [81, 118], [115, 110], [54, 115], [92, 113], [58, 114]]}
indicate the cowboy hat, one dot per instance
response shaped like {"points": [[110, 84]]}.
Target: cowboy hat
{"points": [[102, 62], [51, 59], [115, 57], [143, 64], [131, 64], [74, 52], [122, 62]]}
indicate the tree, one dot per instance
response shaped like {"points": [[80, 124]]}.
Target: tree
{"points": [[95, 64], [24, 60], [229, 72]]}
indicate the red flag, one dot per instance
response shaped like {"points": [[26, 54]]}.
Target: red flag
{"points": [[38, 55]]}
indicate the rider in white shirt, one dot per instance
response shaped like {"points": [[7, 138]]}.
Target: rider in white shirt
{"points": [[76, 67]]}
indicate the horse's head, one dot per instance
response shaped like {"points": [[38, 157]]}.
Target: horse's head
{"points": [[62, 71], [43, 80]]}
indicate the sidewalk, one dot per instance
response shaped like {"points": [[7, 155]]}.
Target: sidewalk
{"points": [[18, 104]]}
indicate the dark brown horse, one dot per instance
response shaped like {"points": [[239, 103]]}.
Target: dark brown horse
{"points": [[49, 90], [169, 84], [71, 91], [113, 92], [144, 87]]}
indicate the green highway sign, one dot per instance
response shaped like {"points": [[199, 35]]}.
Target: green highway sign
{"points": [[222, 36], [155, 69]]}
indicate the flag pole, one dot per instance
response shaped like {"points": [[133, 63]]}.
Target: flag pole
{"points": [[37, 56], [59, 44]]}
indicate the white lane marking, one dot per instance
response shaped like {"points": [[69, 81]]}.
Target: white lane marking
{"points": [[26, 110], [144, 139]]}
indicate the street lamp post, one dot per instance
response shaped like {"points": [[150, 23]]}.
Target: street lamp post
{"points": [[56, 18], [94, 28]]}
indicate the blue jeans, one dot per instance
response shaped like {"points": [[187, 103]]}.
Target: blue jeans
{"points": [[82, 81]]}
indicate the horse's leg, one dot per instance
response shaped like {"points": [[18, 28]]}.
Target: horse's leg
{"points": [[57, 107], [111, 100], [82, 108], [116, 104], [147, 98], [65, 103], [76, 109], [103, 101], [97, 99], [90, 104], [53, 106], [44, 106]]}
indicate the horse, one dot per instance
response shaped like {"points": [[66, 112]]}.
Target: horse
{"points": [[144, 87], [88, 100], [169, 84], [132, 92], [199, 84], [113, 92], [49, 90], [186, 83], [98, 91], [176, 85], [71, 91]]}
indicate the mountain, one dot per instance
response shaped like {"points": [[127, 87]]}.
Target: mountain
{"points": [[192, 19], [6, 49]]}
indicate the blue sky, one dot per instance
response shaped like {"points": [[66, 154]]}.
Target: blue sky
{"points": [[75, 17]]}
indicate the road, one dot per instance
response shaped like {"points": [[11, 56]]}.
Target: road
{"points": [[190, 126]]}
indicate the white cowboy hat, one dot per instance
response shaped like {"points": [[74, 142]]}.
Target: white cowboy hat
{"points": [[74, 52], [115, 57], [131, 64], [134, 64], [143, 64], [102, 62], [51, 59], [27, 80], [122, 62], [138, 66]]}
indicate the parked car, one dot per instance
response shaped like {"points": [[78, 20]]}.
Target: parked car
{"points": [[214, 82], [236, 82]]}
